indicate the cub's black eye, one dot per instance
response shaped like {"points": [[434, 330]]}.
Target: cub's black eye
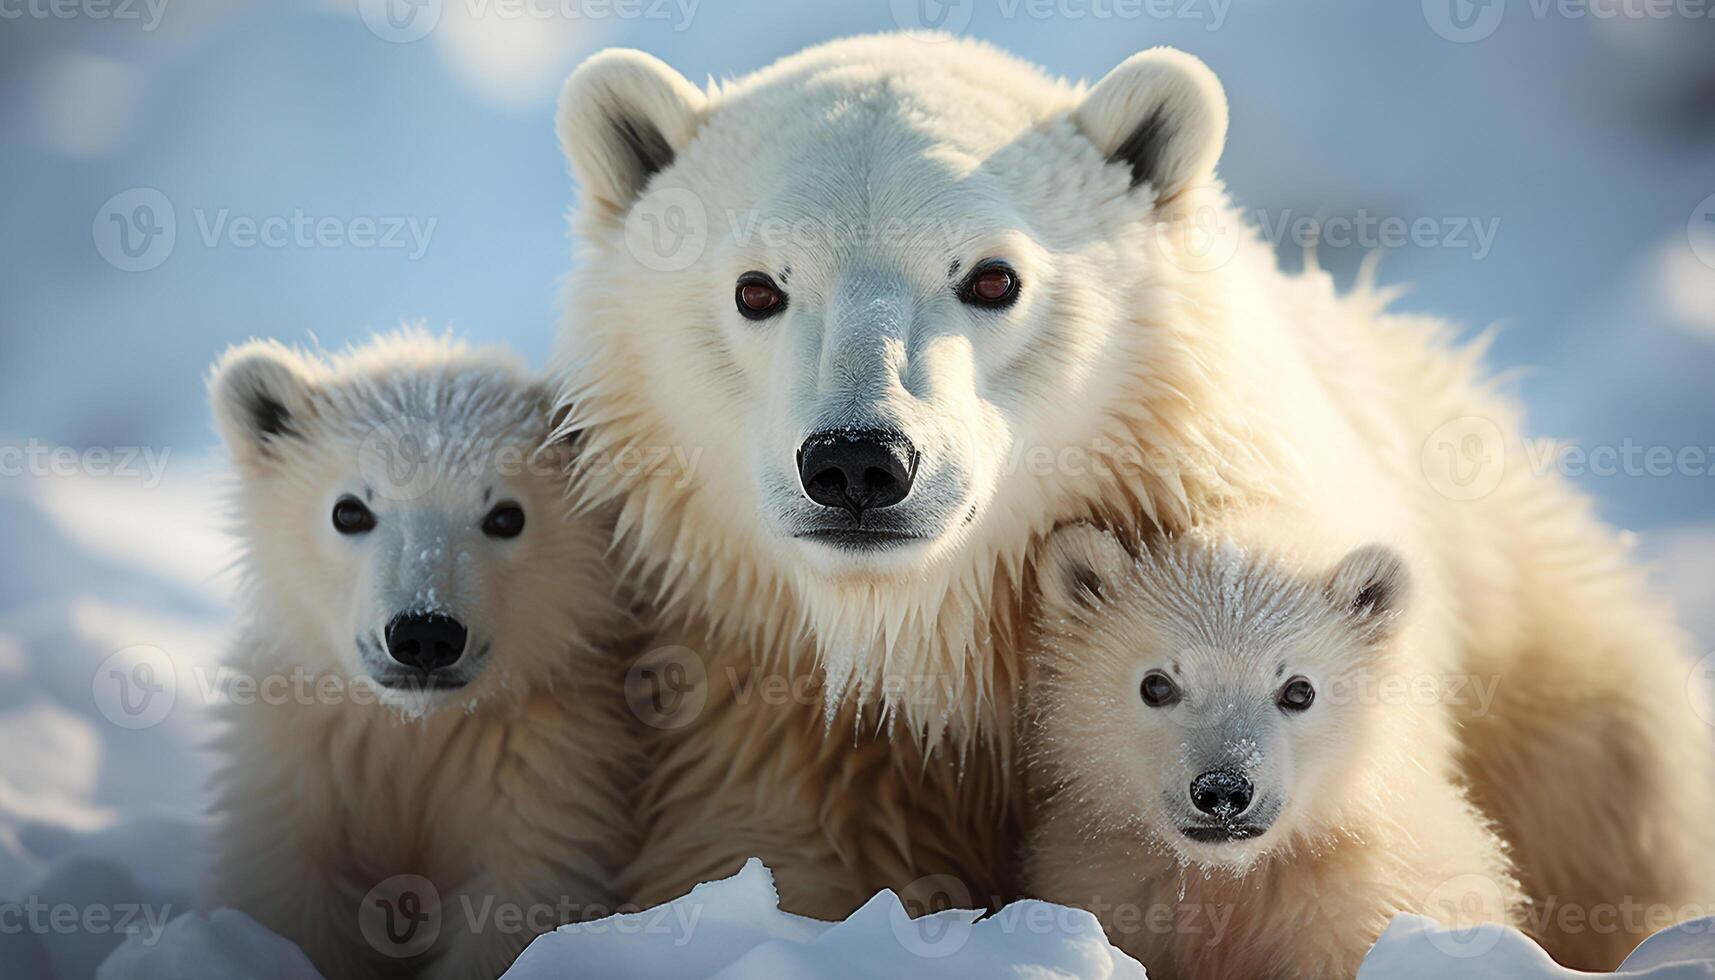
{"points": [[758, 298], [992, 285], [506, 520], [1297, 695], [351, 517], [1158, 690]]}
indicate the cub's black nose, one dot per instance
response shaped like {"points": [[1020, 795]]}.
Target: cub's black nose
{"points": [[426, 641], [857, 470], [1221, 793]]}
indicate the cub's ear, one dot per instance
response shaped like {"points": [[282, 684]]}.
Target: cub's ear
{"points": [[261, 394], [1372, 585], [1078, 567], [623, 116], [1161, 113]]}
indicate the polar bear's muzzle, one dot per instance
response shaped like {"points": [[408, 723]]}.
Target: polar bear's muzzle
{"points": [[857, 470], [866, 490], [426, 642], [422, 651]]}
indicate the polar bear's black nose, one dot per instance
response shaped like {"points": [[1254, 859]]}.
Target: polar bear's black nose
{"points": [[1221, 793], [426, 641], [857, 470]]}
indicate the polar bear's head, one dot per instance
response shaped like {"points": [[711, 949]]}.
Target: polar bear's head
{"points": [[403, 524], [848, 335], [853, 329], [1207, 694]]}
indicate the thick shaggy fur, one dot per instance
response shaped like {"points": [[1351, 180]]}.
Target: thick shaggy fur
{"points": [[837, 807], [509, 794], [1360, 813], [1143, 378]]}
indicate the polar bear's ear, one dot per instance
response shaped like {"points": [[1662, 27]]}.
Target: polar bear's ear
{"points": [[1163, 114], [1372, 585], [623, 116], [1079, 565], [261, 393]]}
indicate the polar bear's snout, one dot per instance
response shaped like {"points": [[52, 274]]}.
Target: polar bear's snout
{"points": [[426, 642], [856, 471], [1223, 793]]}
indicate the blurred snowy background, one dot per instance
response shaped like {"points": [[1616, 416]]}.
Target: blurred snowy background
{"points": [[177, 175]]}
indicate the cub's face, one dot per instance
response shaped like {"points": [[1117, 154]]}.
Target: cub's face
{"points": [[1204, 694], [877, 302], [402, 521]]}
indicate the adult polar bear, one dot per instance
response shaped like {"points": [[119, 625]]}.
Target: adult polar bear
{"points": [[855, 331]]}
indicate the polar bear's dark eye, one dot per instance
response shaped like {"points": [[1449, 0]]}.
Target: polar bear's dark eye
{"points": [[758, 298], [351, 517], [506, 520], [991, 284], [1158, 690], [1297, 695]]}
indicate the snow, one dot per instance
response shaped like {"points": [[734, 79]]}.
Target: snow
{"points": [[733, 929], [1416, 948], [100, 811]]}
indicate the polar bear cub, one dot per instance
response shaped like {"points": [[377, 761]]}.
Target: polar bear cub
{"points": [[1219, 769], [425, 758]]}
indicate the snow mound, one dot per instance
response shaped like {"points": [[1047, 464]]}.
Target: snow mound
{"points": [[733, 929], [1417, 948]]}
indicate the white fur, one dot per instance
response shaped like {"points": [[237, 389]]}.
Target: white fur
{"points": [[620, 84], [508, 791], [1140, 380], [845, 142], [1182, 92], [1361, 818]]}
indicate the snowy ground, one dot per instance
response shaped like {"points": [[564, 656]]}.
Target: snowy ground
{"points": [[100, 789]]}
